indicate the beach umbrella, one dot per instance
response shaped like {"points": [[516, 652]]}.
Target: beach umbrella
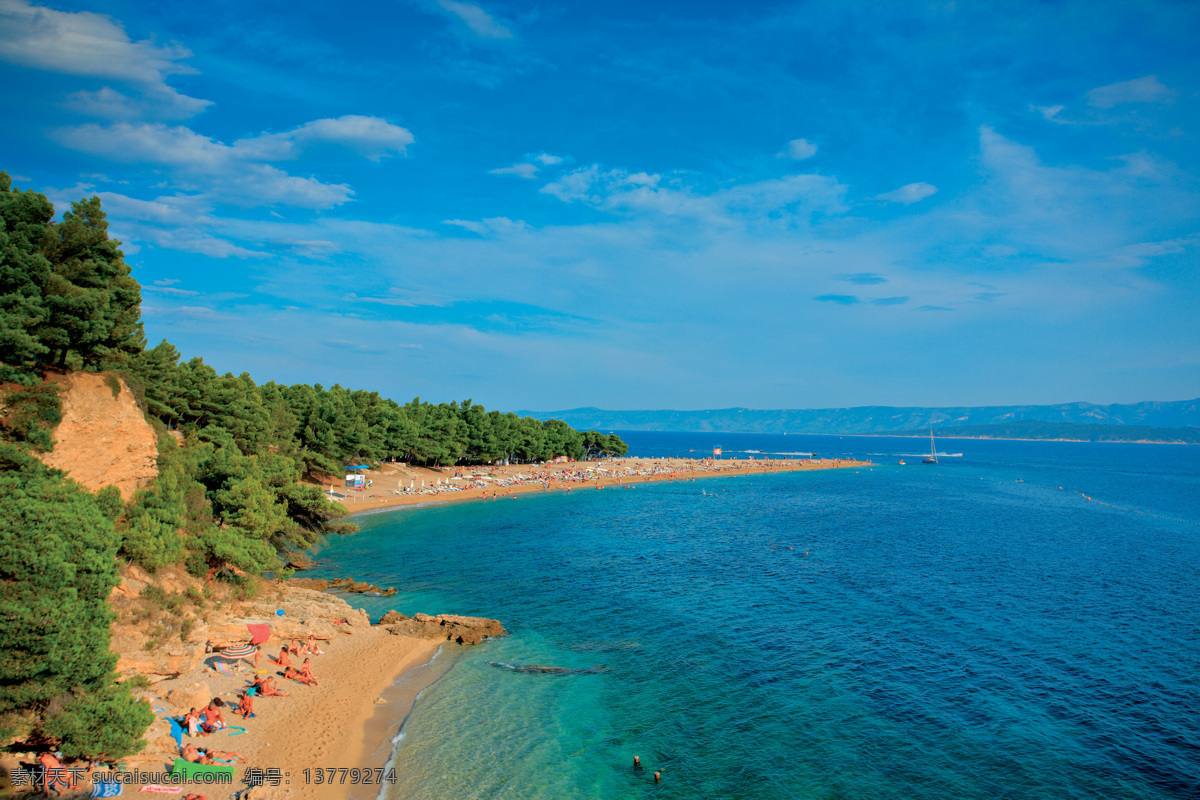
{"points": [[238, 651], [259, 632]]}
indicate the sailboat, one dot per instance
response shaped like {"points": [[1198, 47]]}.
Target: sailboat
{"points": [[932, 457]]}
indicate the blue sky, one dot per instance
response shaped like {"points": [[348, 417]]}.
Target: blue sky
{"points": [[639, 205]]}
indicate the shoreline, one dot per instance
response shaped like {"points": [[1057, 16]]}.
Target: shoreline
{"points": [[463, 484], [385, 724]]}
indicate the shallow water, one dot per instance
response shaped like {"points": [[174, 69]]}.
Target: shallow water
{"points": [[936, 632]]}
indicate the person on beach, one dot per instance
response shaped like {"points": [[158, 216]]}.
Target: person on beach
{"points": [[245, 705], [191, 721], [266, 687], [283, 659], [299, 677], [200, 755], [294, 648], [312, 647], [54, 777], [306, 671], [213, 720]]}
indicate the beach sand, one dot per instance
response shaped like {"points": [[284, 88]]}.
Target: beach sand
{"points": [[443, 485], [334, 725], [330, 726]]}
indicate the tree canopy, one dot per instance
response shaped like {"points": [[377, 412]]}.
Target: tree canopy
{"points": [[67, 298]]}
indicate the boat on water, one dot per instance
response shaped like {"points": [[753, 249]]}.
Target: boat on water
{"points": [[902, 462], [932, 457]]}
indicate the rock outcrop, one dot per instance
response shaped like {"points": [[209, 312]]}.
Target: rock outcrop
{"points": [[170, 636], [341, 585], [464, 630], [305, 612], [103, 439]]}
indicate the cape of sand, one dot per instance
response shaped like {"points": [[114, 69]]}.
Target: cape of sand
{"points": [[457, 484]]}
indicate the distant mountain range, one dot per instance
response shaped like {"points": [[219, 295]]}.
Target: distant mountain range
{"points": [[1062, 431], [875, 419]]}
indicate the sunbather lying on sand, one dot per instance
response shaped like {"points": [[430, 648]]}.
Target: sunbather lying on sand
{"points": [[200, 755], [267, 688], [298, 676]]}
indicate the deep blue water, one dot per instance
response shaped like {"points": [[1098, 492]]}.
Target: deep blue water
{"points": [[936, 632]]}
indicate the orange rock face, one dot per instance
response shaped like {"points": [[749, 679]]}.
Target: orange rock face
{"points": [[103, 440]]}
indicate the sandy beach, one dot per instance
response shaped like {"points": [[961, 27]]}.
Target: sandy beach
{"points": [[330, 726], [398, 484], [326, 726]]}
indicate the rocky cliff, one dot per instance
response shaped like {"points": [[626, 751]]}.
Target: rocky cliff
{"points": [[103, 439]]}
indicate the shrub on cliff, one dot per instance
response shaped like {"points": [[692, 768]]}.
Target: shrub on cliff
{"points": [[29, 415], [57, 568]]}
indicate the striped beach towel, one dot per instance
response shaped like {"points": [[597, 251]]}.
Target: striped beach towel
{"points": [[101, 789]]}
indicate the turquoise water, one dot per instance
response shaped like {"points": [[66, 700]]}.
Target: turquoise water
{"points": [[936, 632]]}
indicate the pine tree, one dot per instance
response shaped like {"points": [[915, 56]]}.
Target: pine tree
{"points": [[57, 568]]}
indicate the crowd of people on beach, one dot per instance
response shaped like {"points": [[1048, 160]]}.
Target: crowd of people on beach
{"points": [[211, 719], [571, 474]]}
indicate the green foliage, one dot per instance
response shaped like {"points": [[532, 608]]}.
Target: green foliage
{"points": [[602, 445], [29, 415], [108, 500], [56, 572], [67, 298], [105, 723]]}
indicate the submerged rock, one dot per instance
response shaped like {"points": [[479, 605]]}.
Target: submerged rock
{"points": [[464, 630], [342, 585], [538, 669]]}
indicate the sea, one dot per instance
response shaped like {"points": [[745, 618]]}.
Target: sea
{"points": [[1020, 620]]}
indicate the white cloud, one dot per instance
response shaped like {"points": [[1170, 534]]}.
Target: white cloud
{"points": [[372, 137], [490, 226], [798, 149], [908, 194], [548, 160], [1072, 215], [523, 170], [480, 22], [406, 298], [1048, 112], [1139, 90], [787, 199], [230, 172], [95, 46]]}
